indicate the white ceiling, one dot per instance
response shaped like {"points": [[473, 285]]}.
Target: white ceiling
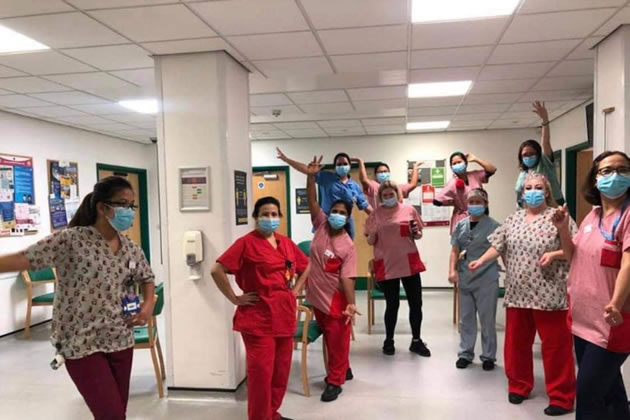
{"points": [[333, 67]]}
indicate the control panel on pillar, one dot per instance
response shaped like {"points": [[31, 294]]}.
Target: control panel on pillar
{"points": [[193, 252]]}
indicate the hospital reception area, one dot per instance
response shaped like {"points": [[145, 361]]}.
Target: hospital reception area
{"points": [[314, 209]]}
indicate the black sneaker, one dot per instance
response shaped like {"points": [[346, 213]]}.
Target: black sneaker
{"points": [[331, 393], [516, 398], [388, 347], [285, 418], [349, 375], [554, 410], [462, 363], [488, 365], [418, 346]]}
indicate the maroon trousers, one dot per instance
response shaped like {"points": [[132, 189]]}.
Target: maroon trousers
{"points": [[103, 381]]}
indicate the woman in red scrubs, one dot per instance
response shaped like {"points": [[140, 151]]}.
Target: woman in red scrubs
{"points": [[265, 264], [330, 287]]}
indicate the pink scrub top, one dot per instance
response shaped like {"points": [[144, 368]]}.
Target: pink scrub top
{"points": [[450, 195]]}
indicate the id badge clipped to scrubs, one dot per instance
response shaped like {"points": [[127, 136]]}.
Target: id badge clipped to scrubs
{"points": [[131, 302], [611, 254]]}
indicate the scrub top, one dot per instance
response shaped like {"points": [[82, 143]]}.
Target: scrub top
{"points": [[334, 189], [260, 268], [591, 285], [475, 242], [372, 191], [450, 195], [395, 252], [332, 258], [548, 169]]}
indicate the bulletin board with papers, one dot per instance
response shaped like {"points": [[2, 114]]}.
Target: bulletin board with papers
{"points": [[431, 178], [63, 192], [18, 213]]}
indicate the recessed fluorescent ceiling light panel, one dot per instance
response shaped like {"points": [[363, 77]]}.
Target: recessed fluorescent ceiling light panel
{"points": [[144, 106], [433, 90], [15, 42], [423, 11], [428, 125]]}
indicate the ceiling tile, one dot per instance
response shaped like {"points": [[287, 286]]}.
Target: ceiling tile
{"points": [[538, 6], [470, 124], [457, 34], [481, 108], [431, 111], [389, 92], [367, 122], [69, 98], [111, 126], [370, 62], [332, 124], [574, 68], [20, 101], [112, 57], [444, 101], [515, 71], [557, 95], [502, 86], [9, 8], [84, 119], [349, 13], [6, 92], [272, 134], [521, 116], [554, 26], [267, 110], [261, 127], [331, 108], [53, 111], [385, 129], [157, 23], [239, 17], [451, 57], [192, 45], [565, 82], [7, 72], [269, 100], [141, 77], [364, 40], [309, 133], [318, 97], [294, 67], [345, 131], [532, 51], [584, 51], [132, 118], [45, 62], [307, 125], [443, 74], [284, 45], [380, 105], [105, 109], [496, 98], [499, 124], [101, 84], [64, 30], [623, 16], [477, 117], [105, 4], [30, 85]]}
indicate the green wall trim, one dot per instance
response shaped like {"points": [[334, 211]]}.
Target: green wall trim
{"points": [[287, 177]]}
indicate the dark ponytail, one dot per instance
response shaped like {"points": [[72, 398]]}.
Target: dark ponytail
{"points": [[104, 191]]}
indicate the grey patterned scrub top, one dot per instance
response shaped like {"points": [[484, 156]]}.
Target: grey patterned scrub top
{"points": [[527, 283], [87, 312]]}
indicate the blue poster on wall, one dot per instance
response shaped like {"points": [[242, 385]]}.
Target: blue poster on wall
{"points": [[58, 213], [23, 179]]}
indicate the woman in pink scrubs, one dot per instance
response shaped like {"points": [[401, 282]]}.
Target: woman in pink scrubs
{"points": [[330, 285], [392, 229], [599, 287], [456, 191]]}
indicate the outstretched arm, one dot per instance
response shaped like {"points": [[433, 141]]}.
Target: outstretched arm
{"points": [[298, 166], [487, 166], [545, 136], [363, 176], [414, 175], [311, 193], [14, 262]]}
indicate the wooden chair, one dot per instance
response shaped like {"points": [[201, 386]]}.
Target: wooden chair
{"points": [[146, 337], [307, 332], [374, 294], [36, 278]]}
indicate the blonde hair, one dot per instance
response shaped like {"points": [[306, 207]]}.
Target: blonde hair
{"points": [[540, 177], [388, 185]]}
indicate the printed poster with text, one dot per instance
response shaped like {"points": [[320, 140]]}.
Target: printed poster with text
{"points": [[63, 192], [16, 188], [431, 178]]}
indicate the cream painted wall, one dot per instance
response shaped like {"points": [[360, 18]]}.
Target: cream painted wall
{"points": [[43, 140]]}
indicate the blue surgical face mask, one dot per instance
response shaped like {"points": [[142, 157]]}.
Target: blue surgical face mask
{"points": [[613, 186], [390, 202], [530, 161], [123, 218], [459, 168], [337, 221], [534, 198], [382, 176], [268, 225], [342, 170], [476, 210]]}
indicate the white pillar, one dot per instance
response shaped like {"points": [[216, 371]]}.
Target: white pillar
{"points": [[204, 122], [612, 89]]}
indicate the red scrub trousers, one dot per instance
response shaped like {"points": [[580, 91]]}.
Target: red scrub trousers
{"points": [[557, 353], [337, 336], [268, 368]]}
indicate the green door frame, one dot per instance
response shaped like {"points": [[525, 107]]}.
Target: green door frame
{"points": [[144, 201], [571, 183], [287, 177]]}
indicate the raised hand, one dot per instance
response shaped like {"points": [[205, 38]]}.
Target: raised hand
{"points": [[541, 111], [560, 218], [281, 155], [315, 165], [470, 157]]}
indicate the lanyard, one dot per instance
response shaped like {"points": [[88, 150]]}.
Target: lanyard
{"points": [[611, 236]]}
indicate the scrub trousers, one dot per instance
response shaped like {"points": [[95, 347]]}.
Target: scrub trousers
{"points": [[480, 300], [337, 336], [521, 325], [413, 290], [268, 368]]}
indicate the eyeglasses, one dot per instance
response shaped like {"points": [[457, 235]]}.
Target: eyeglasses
{"points": [[608, 171], [122, 204]]}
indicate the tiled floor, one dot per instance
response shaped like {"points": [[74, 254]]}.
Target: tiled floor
{"points": [[404, 386]]}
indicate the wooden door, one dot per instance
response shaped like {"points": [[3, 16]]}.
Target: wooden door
{"points": [[134, 233], [273, 183], [584, 162], [364, 251]]}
